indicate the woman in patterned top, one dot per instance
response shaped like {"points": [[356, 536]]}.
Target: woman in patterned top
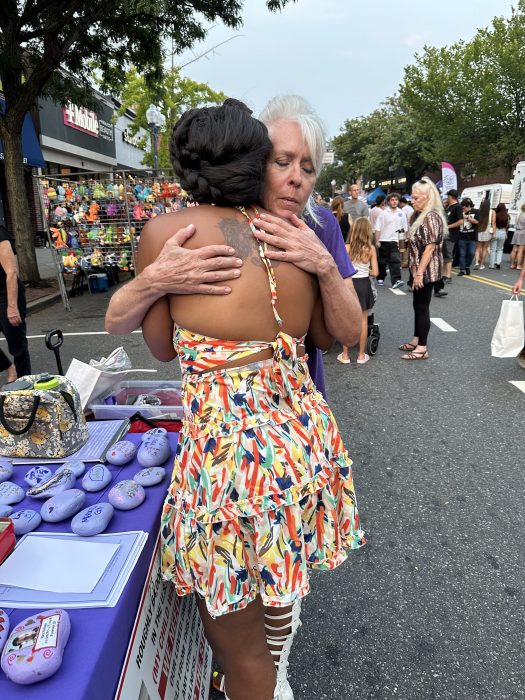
{"points": [[425, 262], [262, 486]]}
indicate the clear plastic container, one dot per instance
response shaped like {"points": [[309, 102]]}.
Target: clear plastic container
{"points": [[121, 401]]}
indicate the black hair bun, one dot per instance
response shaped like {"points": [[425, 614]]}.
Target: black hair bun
{"points": [[220, 153]]}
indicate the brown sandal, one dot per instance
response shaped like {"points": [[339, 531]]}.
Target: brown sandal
{"points": [[415, 355], [407, 346]]}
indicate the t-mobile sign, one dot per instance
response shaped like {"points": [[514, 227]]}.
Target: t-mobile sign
{"points": [[81, 119]]}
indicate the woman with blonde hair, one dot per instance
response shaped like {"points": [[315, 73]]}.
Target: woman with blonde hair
{"points": [[362, 252], [342, 218], [425, 262]]}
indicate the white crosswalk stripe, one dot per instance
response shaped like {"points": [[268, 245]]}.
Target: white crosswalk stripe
{"points": [[519, 385], [443, 325]]}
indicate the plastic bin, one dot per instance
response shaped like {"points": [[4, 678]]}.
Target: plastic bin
{"points": [[98, 282], [120, 402]]}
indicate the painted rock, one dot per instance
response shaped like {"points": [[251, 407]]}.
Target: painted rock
{"points": [[36, 475], [126, 495], [25, 520], [121, 453], [97, 478], [92, 520], [154, 449], [4, 628], [57, 482], [10, 493], [35, 647], [5, 511], [150, 476], [6, 470], [76, 466], [63, 505]]}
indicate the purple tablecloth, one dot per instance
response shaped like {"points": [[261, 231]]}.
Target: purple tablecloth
{"points": [[99, 636]]}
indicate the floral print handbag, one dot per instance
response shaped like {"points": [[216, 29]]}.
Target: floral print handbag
{"points": [[44, 419]]}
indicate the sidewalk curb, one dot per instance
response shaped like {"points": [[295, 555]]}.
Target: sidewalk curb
{"points": [[43, 302]]}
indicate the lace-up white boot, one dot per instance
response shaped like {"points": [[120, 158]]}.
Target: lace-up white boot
{"points": [[282, 646]]}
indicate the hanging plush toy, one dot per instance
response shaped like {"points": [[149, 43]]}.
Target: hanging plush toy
{"points": [[93, 212], [165, 193], [51, 193], [121, 191], [72, 238], [69, 194], [138, 212], [123, 262], [70, 262], [59, 237], [99, 192], [110, 234], [155, 189], [61, 192], [97, 260]]}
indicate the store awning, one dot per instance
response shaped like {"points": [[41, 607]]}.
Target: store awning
{"points": [[30, 143]]}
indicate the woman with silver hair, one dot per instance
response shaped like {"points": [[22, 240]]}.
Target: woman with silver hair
{"points": [[425, 262]]}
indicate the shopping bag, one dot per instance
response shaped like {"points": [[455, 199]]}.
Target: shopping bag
{"points": [[97, 378], [508, 336]]}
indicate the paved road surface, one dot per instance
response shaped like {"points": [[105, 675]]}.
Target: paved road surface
{"points": [[433, 606]]}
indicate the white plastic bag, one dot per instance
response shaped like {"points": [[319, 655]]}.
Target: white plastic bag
{"points": [[508, 337], [99, 376]]}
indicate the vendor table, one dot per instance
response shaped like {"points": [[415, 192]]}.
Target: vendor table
{"points": [[96, 651]]}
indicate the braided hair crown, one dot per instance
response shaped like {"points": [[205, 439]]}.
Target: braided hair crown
{"points": [[220, 154]]}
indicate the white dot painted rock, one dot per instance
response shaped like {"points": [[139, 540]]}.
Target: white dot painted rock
{"points": [[57, 482], [92, 520], [36, 475], [10, 493], [150, 476], [154, 449], [4, 628], [5, 511], [76, 466], [25, 521], [6, 470], [35, 647], [121, 453], [63, 505], [96, 478], [126, 495]]}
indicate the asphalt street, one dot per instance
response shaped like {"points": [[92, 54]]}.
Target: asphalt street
{"points": [[433, 606]]}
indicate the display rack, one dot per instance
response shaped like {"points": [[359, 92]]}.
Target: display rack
{"points": [[94, 221]]}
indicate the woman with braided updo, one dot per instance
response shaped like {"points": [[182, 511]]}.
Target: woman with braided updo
{"points": [[262, 485]]}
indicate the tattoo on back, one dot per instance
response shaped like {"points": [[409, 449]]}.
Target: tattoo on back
{"points": [[238, 235]]}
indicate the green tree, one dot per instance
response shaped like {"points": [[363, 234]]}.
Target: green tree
{"points": [[38, 37], [470, 97], [174, 95]]}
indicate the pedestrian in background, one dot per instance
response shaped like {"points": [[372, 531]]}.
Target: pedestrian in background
{"points": [[454, 216], [518, 241], [362, 252], [468, 234], [425, 241], [486, 225], [343, 219], [499, 236], [12, 311], [387, 229], [354, 206]]}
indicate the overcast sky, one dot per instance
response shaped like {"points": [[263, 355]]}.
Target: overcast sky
{"points": [[344, 56]]}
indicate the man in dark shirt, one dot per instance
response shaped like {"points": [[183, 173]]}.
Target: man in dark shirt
{"points": [[468, 235]]}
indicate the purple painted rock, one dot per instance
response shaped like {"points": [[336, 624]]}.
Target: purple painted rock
{"points": [[36, 475], [93, 520], [121, 453], [4, 628], [150, 476], [154, 449], [126, 495], [25, 521], [57, 482], [76, 465], [35, 647], [63, 505], [6, 470], [5, 511], [10, 493], [97, 478]]}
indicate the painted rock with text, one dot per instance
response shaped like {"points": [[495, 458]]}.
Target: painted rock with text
{"points": [[154, 449], [76, 465], [96, 478], [126, 495], [92, 520], [6, 470], [57, 482], [121, 453], [35, 648], [10, 493], [4, 628], [36, 475], [25, 521], [150, 476], [63, 505]]}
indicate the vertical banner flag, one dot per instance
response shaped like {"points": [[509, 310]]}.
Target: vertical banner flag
{"points": [[449, 177]]}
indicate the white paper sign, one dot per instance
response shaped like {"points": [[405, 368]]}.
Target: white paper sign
{"points": [[168, 657]]}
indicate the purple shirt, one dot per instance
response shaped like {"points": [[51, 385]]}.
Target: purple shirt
{"points": [[328, 233]]}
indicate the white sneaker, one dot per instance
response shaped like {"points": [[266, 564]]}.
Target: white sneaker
{"points": [[380, 283], [398, 284]]}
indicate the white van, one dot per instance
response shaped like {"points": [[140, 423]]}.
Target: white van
{"points": [[497, 193], [517, 197]]}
